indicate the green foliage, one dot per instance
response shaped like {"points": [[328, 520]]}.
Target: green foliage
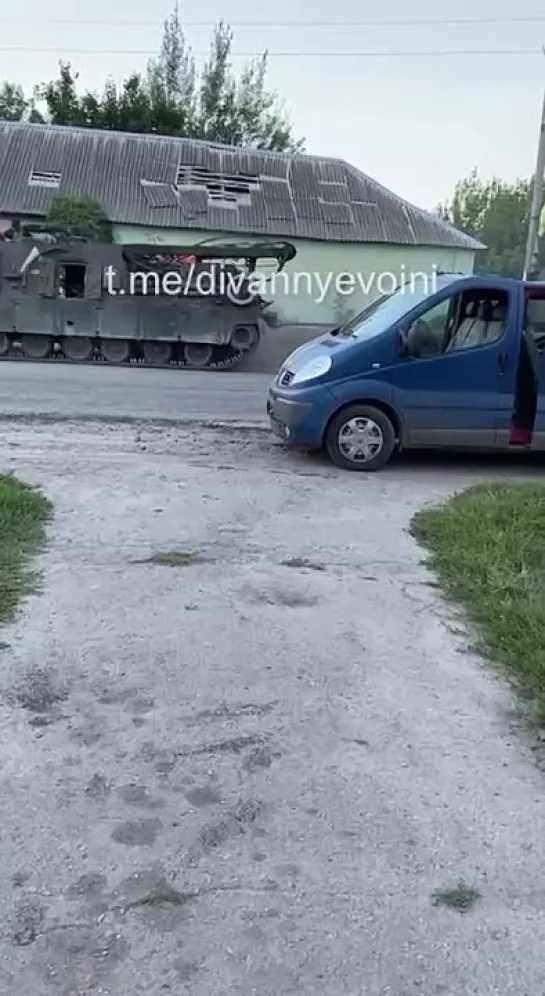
{"points": [[80, 216], [15, 106], [487, 546], [24, 513], [167, 98], [497, 214]]}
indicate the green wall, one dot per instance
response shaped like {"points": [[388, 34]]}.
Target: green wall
{"points": [[307, 292]]}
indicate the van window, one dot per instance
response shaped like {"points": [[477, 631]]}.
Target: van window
{"points": [[483, 320], [535, 322], [388, 310], [429, 335], [471, 320]]}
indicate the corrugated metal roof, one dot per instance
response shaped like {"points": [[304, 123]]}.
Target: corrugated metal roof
{"points": [[134, 178]]}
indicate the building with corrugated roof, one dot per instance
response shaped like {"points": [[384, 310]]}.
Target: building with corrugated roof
{"points": [[166, 190]]}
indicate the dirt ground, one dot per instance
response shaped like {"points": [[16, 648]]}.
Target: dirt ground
{"points": [[263, 765]]}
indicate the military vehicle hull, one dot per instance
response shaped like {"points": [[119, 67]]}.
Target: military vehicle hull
{"points": [[81, 302]]}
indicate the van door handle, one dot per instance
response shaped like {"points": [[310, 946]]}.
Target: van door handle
{"points": [[502, 362]]}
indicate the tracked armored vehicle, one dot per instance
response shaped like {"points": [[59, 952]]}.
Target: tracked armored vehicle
{"points": [[67, 299]]}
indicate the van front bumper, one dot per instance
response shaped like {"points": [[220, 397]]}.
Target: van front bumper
{"points": [[300, 421]]}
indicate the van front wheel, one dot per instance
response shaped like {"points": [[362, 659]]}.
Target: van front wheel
{"points": [[360, 438]]}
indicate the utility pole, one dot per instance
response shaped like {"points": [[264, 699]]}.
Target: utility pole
{"points": [[537, 197]]}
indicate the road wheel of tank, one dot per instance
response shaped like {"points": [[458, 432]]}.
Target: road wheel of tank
{"points": [[360, 437], [116, 350], [244, 338], [197, 354], [36, 347], [78, 349], [157, 353], [4, 343]]}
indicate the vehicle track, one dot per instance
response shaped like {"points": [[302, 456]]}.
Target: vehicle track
{"points": [[227, 362]]}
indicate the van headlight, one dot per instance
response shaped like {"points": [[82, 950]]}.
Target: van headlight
{"points": [[317, 367]]}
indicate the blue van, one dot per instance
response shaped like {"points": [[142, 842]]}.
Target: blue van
{"points": [[460, 367]]}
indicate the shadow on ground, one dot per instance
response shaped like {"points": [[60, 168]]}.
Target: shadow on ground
{"points": [[448, 463]]}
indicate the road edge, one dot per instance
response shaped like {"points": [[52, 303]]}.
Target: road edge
{"points": [[52, 418]]}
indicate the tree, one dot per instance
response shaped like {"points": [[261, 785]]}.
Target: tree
{"points": [[80, 216], [496, 213], [61, 97], [240, 112], [217, 97], [167, 98], [14, 106], [260, 119], [171, 77]]}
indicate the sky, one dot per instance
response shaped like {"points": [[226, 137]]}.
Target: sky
{"points": [[417, 122]]}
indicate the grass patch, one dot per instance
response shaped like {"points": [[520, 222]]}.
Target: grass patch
{"points": [[172, 558], [487, 546], [461, 898], [24, 512]]}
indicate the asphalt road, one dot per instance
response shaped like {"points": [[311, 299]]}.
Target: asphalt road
{"points": [[247, 777], [110, 394]]}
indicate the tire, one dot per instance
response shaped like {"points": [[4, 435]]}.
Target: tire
{"points": [[379, 440]]}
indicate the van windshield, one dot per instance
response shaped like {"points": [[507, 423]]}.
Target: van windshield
{"points": [[389, 308]]}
